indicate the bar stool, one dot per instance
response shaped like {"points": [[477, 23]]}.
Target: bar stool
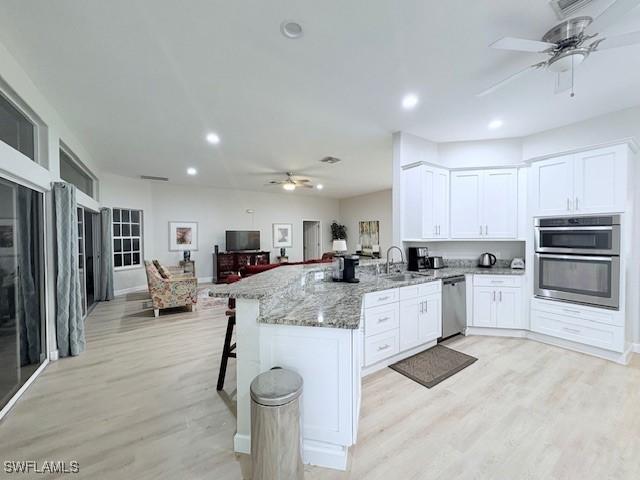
{"points": [[228, 350]]}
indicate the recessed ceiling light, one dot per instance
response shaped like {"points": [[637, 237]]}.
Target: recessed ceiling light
{"points": [[289, 187], [192, 171], [213, 138], [493, 124], [409, 101], [319, 186], [291, 29]]}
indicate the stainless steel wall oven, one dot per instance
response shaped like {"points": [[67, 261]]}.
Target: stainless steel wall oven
{"points": [[577, 260]]}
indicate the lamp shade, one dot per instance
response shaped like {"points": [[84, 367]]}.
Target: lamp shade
{"points": [[339, 245]]}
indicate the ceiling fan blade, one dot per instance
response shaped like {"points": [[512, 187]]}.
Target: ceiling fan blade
{"points": [[507, 80], [305, 185], [521, 45], [617, 41], [564, 82], [612, 14]]}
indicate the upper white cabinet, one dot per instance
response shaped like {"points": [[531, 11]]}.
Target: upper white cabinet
{"points": [[484, 203], [425, 202], [585, 182]]}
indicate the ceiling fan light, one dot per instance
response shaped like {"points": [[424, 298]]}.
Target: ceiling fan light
{"points": [[289, 187], [567, 61]]}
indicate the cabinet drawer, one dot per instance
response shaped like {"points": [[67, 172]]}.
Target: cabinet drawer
{"points": [[608, 337], [496, 280], [382, 318], [429, 288], [381, 298], [579, 311], [381, 346]]}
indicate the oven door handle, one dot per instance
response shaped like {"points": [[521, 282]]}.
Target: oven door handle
{"points": [[577, 257], [577, 229]]}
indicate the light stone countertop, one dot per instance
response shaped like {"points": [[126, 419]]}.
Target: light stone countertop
{"points": [[305, 295]]}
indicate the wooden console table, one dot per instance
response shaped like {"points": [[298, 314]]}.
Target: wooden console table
{"points": [[229, 263]]}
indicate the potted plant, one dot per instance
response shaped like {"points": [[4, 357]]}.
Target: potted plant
{"points": [[338, 232]]}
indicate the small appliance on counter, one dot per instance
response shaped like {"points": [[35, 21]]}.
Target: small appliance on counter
{"points": [[487, 260], [517, 264], [345, 268], [436, 262], [418, 259]]}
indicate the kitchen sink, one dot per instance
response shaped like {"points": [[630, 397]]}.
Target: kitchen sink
{"points": [[402, 277]]}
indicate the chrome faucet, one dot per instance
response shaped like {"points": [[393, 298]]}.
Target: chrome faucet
{"points": [[389, 251]]}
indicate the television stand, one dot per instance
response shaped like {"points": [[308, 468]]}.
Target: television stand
{"points": [[229, 263]]}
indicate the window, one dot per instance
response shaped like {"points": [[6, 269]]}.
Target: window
{"points": [[70, 171], [127, 238], [16, 130]]}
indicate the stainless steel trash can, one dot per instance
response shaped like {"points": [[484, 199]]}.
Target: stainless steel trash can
{"points": [[276, 435]]}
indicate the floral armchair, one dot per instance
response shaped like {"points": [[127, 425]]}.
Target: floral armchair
{"points": [[170, 290]]}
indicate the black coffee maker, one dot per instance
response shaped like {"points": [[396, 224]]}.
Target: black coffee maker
{"points": [[345, 269]]}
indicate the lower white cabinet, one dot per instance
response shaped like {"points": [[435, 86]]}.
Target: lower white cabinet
{"points": [[497, 301], [413, 319]]}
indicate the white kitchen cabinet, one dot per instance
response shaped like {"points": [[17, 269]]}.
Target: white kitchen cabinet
{"points": [[424, 202], [586, 182], [484, 204], [497, 301], [409, 324], [429, 318]]}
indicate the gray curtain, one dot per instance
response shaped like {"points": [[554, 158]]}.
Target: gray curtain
{"points": [[106, 258], [28, 302], [69, 320]]}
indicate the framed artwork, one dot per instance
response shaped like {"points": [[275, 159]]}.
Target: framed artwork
{"points": [[183, 236], [7, 236], [282, 235], [369, 234]]}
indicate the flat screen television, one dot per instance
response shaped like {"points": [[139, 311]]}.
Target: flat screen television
{"points": [[242, 240]]}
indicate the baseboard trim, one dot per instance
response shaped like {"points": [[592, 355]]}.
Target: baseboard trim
{"points": [[54, 355], [635, 347], [23, 389], [314, 453], [125, 291], [496, 332]]}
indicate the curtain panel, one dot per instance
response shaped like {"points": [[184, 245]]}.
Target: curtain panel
{"points": [[106, 258]]}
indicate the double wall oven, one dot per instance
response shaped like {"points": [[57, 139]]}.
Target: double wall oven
{"points": [[577, 260]]}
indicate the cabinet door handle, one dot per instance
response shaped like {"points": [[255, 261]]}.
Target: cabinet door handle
{"points": [[435, 230], [494, 296], [382, 299], [574, 312], [568, 203], [426, 307], [500, 295], [486, 229], [383, 347], [383, 319], [577, 208], [480, 229], [571, 330]]}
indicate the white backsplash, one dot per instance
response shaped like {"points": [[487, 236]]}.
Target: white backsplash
{"points": [[473, 249]]}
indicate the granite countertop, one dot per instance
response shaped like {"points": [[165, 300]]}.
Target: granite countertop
{"points": [[304, 295]]}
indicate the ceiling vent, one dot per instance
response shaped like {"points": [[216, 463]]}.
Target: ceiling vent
{"points": [[151, 177], [566, 8], [330, 160]]}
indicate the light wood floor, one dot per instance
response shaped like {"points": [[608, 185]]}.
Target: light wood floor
{"points": [[141, 403]]}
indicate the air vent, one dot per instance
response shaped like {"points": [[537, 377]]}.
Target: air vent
{"points": [[330, 160], [566, 8], [151, 177]]}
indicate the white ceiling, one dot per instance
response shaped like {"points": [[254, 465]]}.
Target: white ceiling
{"points": [[143, 81]]}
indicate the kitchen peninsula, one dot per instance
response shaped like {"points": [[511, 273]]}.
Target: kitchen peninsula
{"points": [[332, 334]]}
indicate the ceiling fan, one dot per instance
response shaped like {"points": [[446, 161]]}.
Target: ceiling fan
{"points": [[567, 45], [292, 182]]}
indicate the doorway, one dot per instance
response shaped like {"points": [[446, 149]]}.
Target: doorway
{"points": [[311, 240], [89, 243]]}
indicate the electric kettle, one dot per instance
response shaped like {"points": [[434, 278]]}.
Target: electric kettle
{"points": [[487, 260]]}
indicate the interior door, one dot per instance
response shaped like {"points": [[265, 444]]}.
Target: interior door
{"points": [[500, 203], [508, 310], [430, 323], [553, 184], [466, 200], [441, 202], [600, 180], [484, 307]]}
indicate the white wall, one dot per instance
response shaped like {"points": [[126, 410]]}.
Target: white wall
{"points": [[215, 210], [471, 250], [373, 206], [487, 153]]}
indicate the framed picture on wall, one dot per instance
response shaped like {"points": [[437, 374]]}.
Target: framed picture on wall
{"points": [[282, 235], [8, 233], [183, 236]]}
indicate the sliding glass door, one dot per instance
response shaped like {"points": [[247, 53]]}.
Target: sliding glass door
{"points": [[22, 319], [89, 235]]}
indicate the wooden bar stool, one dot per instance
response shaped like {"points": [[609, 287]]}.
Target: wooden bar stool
{"points": [[228, 350]]}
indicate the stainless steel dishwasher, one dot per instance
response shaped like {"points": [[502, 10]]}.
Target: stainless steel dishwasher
{"points": [[454, 306]]}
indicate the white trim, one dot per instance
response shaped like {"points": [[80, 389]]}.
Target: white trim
{"points": [[23, 389], [629, 141], [124, 291], [242, 443], [128, 267], [635, 347], [54, 355]]}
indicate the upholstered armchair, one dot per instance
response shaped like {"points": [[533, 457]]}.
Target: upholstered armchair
{"points": [[169, 291]]}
